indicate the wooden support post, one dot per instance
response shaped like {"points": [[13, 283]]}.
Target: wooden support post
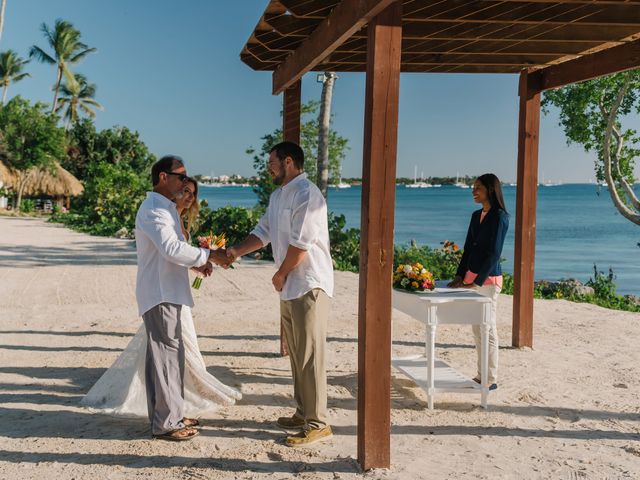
{"points": [[376, 244], [291, 113], [290, 133], [526, 197]]}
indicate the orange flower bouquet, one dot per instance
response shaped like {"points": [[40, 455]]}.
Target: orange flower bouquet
{"points": [[414, 278], [212, 242]]}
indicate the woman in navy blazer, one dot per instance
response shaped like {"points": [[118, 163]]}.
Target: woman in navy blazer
{"points": [[480, 263]]}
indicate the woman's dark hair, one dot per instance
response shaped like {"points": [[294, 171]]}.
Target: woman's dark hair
{"points": [[494, 190], [165, 164], [289, 149]]}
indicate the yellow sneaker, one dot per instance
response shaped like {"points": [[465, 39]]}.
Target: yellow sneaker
{"points": [[309, 437]]}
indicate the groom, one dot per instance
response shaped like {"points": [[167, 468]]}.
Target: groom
{"points": [[162, 288], [296, 225]]}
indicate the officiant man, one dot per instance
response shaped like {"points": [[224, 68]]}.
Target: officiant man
{"points": [[296, 225]]}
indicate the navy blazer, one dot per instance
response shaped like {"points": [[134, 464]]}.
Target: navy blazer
{"points": [[483, 246]]}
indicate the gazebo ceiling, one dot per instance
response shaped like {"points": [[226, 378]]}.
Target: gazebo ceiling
{"points": [[456, 36]]}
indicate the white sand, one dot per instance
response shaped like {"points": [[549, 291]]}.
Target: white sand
{"points": [[568, 409]]}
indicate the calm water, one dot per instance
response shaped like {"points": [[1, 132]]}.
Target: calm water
{"points": [[575, 229]]}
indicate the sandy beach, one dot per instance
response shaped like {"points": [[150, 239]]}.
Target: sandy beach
{"points": [[569, 408]]}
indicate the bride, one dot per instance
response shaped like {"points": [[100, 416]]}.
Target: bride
{"points": [[121, 390]]}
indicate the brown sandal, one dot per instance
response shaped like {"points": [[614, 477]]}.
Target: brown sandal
{"points": [[190, 422], [179, 435]]}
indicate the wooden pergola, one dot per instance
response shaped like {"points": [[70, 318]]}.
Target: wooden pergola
{"points": [[548, 43]]}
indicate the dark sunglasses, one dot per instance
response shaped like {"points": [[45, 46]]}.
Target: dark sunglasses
{"points": [[181, 176]]}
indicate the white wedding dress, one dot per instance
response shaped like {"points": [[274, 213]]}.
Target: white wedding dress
{"points": [[121, 389]]}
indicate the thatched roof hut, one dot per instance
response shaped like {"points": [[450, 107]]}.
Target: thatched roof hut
{"points": [[7, 177], [54, 182]]}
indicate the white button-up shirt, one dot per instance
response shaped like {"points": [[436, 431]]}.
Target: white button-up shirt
{"points": [[297, 215], [164, 258]]}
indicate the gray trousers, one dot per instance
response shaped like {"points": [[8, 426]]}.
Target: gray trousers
{"points": [[164, 367]]}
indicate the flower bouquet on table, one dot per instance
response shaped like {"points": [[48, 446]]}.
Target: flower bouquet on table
{"points": [[212, 242], [413, 278]]}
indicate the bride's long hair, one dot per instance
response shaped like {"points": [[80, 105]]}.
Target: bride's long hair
{"points": [[190, 215]]}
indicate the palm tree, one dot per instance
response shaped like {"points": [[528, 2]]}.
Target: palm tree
{"points": [[76, 95], [64, 39], [2, 10], [11, 66], [324, 123]]}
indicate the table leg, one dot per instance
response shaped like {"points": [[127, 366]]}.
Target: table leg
{"points": [[431, 340]]}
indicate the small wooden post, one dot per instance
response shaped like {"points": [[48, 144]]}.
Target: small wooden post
{"points": [[526, 197], [376, 244], [291, 113], [290, 133]]}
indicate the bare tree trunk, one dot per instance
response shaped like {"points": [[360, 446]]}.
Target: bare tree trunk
{"points": [[324, 121], [5, 87], [3, 6], [57, 90], [23, 179], [625, 211], [631, 195]]}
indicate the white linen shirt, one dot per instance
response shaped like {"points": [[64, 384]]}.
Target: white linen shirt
{"points": [[297, 215], [164, 258]]}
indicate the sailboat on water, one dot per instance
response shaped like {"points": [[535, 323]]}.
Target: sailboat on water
{"points": [[341, 184], [416, 183], [458, 183]]}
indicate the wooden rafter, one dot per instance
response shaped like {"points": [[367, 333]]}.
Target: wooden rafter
{"points": [[343, 21], [462, 35]]}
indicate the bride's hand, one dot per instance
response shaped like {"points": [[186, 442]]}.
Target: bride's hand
{"points": [[203, 242]]}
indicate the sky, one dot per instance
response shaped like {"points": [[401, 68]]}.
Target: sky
{"points": [[172, 71]]}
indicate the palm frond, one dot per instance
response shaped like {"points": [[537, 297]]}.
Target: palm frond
{"points": [[79, 56], [69, 76], [48, 34], [40, 55], [87, 110], [92, 102]]}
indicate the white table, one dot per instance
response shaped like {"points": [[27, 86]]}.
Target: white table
{"points": [[445, 306]]}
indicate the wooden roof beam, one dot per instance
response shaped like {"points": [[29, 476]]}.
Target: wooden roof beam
{"points": [[450, 30], [343, 21], [309, 8], [552, 13], [605, 62], [583, 2]]}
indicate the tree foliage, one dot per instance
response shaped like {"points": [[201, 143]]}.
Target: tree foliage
{"points": [[338, 147], [31, 139], [591, 115], [11, 66], [116, 145], [66, 49], [76, 98]]}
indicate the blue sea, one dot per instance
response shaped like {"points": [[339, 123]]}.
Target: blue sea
{"points": [[577, 226]]}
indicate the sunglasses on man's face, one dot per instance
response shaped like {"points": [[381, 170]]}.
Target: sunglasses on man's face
{"points": [[181, 176]]}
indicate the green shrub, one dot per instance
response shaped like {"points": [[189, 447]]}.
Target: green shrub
{"points": [[604, 295], [345, 244], [441, 262], [235, 222], [28, 206], [112, 195]]}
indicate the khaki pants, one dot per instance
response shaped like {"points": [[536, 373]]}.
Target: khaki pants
{"points": [[491, 291], [304, 321]]}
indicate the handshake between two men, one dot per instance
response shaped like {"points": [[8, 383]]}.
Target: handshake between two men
{"points": [[221, 257], [224, 257]]}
